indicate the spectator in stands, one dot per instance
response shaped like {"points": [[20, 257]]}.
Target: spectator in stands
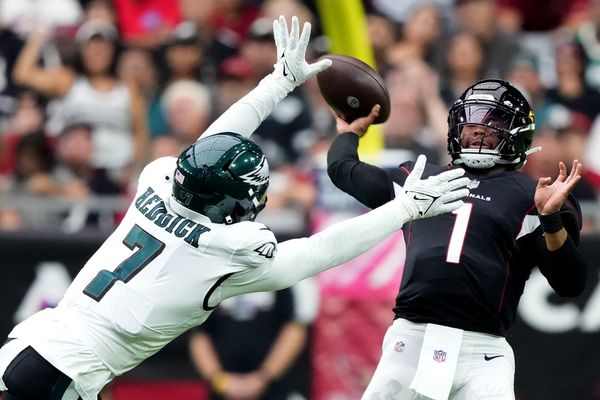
{"points": [[421, 37], [383, 34], [93, 95], [418, 124], [465, 60], [588, 36], [234, 79], [220, 43], [100, 10], [75, 172], [400, 11], [524, 73], [136, 67], [572, 90], [478, 17], [146, 23], [76, 178], [184, 53], [28, 118], [180, 59], [536, 22], [187, 106], [10, 47], [250, 345], [30, 178], [272, 9], [236, 16]]}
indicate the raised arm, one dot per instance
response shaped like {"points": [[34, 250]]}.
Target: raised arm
{"points": [[53, 82], [290, 71]]}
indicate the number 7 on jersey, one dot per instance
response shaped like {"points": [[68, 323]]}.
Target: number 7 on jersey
{"points": [[145, 249]]}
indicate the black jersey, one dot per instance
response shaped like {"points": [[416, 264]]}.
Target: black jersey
{"points": [[466, 269]]}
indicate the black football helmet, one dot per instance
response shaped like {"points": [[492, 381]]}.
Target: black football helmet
{"points": [[500, 110], [224, 177]]}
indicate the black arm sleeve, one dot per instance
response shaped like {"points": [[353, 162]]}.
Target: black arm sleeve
{"points": [[367, 183], [565, 268]]}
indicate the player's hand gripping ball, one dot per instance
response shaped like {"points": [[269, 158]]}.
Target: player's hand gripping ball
{"points": [[351, 88]]}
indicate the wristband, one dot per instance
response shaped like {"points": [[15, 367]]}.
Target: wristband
{"points": [[551, 223]]}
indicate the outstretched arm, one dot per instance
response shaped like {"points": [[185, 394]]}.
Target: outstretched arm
{"points": [[298, 259], [291, 70]]}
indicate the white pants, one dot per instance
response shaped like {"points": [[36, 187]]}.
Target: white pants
{"points": [[485, 368]]}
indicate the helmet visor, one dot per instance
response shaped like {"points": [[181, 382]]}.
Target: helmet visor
{"points": [[486, 115]]}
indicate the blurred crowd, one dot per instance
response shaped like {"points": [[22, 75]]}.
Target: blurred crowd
{"points": [[91, 90]]}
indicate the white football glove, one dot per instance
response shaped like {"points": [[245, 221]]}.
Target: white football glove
{"points": [[438, 194], [291, 68]]}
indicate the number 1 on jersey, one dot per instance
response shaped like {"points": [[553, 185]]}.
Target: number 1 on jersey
{"points": [[459, 231], [146, 248]]}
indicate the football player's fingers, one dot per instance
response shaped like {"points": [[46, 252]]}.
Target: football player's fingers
{"points": [[450, 175], [449, 207], [456, 184], [571, 182], [562, 172], [419, 167], [304, 38], [319, 66], [575, 170], [294, 33], [454, 195], [277, 37], [373, 114], [283, 29], [543, 181]]}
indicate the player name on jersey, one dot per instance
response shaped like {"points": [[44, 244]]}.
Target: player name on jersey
{"points": [[152, 206]]}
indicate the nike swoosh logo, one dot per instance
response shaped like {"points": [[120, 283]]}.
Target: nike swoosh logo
{"points": [[488, 358], [286, 73], [420, 197]]}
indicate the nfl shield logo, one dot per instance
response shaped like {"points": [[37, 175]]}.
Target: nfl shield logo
{"points": [[439, 355], [473, 183], [399, 347]]}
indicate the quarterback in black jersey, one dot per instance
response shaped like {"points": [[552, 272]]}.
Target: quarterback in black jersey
{"points": [[465, 272]]}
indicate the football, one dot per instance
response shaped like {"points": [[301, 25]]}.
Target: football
{"points": [[351, 88]]}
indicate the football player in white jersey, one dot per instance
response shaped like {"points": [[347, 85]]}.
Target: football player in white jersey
{"points": [[189, 241]]}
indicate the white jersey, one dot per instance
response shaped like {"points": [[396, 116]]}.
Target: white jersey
{"points": [[155, 277]]}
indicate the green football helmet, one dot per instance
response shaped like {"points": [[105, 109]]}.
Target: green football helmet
{"points": [[224, 177]]}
